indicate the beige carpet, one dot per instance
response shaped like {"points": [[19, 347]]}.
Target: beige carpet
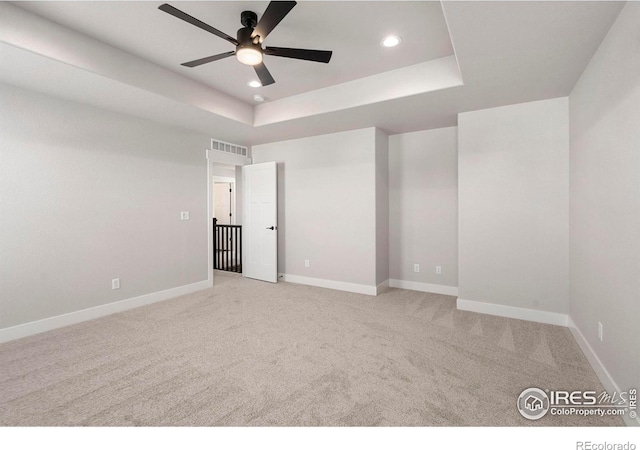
{"points": [[252, 353]]}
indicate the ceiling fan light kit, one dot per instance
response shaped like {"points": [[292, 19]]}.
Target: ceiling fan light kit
{"points": [[249, 56], [249, 40]]}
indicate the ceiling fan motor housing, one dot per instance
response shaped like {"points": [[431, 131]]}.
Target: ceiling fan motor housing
{"points": [[248, 51], [246, 41], [244, 36]]}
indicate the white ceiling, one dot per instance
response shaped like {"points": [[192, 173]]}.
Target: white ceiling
{"points": [[352, 30], [507, 52]]}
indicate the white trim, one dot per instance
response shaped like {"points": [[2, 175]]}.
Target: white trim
{"points": [[532, 315], [217, 179], [215, 156], [209, 217], [50, 323], [601, 371], [424, 287], [382, 287], [330, 284]]}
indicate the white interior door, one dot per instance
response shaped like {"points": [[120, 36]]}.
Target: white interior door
{"points": [[260, 235]]}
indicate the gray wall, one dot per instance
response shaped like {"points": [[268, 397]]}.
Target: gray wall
{"points": [[423, 206], [513, 181], [89, 195], [605, 199], [382, 206], [326, 205]]}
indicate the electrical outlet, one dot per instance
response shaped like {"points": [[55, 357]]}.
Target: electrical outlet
{"points": [[600, 331], [115, 283], [184, 215], [306, 263], [416, 268], [439, 270]]}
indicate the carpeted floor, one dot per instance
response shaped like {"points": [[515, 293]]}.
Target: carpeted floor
{"points": [[252, 353]]}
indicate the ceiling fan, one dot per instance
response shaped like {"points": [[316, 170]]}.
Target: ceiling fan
{"points": [[249, 50]]}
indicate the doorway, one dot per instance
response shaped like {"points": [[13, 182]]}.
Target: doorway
{"points": [[224, 211], [228, 170], [223, 193], [224, 201]]}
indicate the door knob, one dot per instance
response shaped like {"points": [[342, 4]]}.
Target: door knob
{"points": [[271, 228]]}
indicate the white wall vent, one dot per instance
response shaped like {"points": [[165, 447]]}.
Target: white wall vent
{"points": [[229, 148]]}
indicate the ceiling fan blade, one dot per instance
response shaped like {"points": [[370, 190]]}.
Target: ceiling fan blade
{"points": [[193, 21], [323, 56], [208, 59], [264, 75], [275, 12]]}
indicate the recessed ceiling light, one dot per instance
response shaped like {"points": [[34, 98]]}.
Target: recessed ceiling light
{"points": [[254, 83], [391, 41], [258, 98]]}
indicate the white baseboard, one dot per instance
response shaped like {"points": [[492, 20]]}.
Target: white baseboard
{"points": [[382, 287], [50, 323], [424, 287], [330, 284], [601, 371], [513, 312]]}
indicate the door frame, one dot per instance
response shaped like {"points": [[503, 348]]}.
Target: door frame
{"points": [[216, 156]]}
